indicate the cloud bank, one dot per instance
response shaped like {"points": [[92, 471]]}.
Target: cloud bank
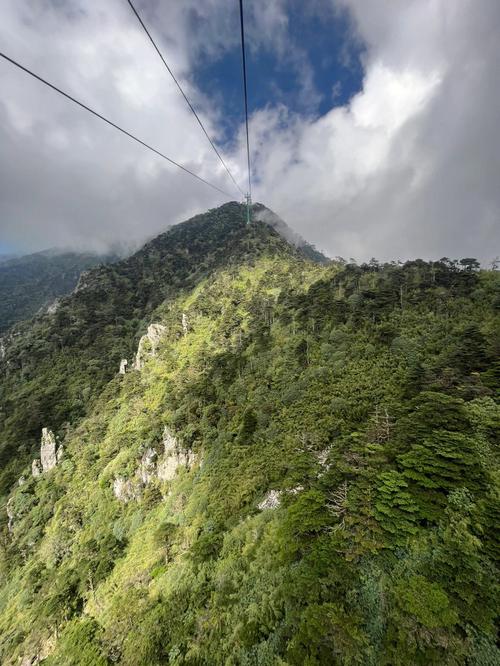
{"points": [[410, 167]]}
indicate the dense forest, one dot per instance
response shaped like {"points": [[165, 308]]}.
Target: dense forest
{"points": [[33, 282], [299, 466]]}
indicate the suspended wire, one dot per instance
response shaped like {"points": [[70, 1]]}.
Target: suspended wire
{"points": [[109, 122], [184, 95], [243, 58]]}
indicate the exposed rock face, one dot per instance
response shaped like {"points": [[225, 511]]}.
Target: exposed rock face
{"points": [[148, 344], [147, 466], [150, 468], [10, 515], [48, 450], [29, 660], [173, 457], [271, 501], [54, 306], [50, 454], [83, 281], [124, 489], [322, 458], [123, 366], [46, 648]]}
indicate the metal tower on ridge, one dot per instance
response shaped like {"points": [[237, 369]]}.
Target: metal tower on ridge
{"points": [[248, 199]]}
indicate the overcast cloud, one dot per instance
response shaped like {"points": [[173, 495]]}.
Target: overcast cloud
{"points": [[409, 168]]}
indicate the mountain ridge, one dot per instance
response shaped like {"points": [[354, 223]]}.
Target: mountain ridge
{"points": [[299, 466], [30, 283], [103, 318]]}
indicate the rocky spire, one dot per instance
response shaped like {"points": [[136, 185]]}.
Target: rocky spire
{"points": [[50, 454], [148, 344]]}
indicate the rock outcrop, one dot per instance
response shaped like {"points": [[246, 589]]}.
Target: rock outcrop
{"points": [[50, 454], [147, 466], [83, 281], [48, 450], [173, 457], [123, 366], [148, 344], [271, 501], [54, 306], [322, 458], [273, 498], [151, 467], [10, 515], [125, 489], [29, 660]]}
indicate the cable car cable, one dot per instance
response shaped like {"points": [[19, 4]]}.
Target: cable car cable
{"points": [[183, 94], [109, 122], [243, 59]]}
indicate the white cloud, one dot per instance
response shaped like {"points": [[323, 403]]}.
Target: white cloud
{"points": [[408, 168], [66, 177]]}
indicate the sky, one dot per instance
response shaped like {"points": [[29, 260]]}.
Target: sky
{"points": [[373, 125]]}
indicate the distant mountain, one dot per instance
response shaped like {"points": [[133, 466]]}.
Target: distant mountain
{"points": [[33, 282], [6, 257]]}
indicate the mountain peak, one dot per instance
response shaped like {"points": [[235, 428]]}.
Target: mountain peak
{"points": [[229, 221], [223, 233]]}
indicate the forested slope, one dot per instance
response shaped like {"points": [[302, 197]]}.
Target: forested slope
{"points": [[34, 281], [304, 471], [51, 368]]}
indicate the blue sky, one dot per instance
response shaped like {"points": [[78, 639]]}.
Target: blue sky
{"points": [[319, 68]]}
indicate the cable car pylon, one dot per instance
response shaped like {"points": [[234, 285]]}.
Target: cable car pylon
{"points": [[248, 200]]}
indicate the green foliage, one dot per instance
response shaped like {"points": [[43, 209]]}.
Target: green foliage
{"points": [[79, 645], [33, 282], [440, 451], [348, 395], [57, 365], [426, 602], [248, 426], [394, 507]]}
